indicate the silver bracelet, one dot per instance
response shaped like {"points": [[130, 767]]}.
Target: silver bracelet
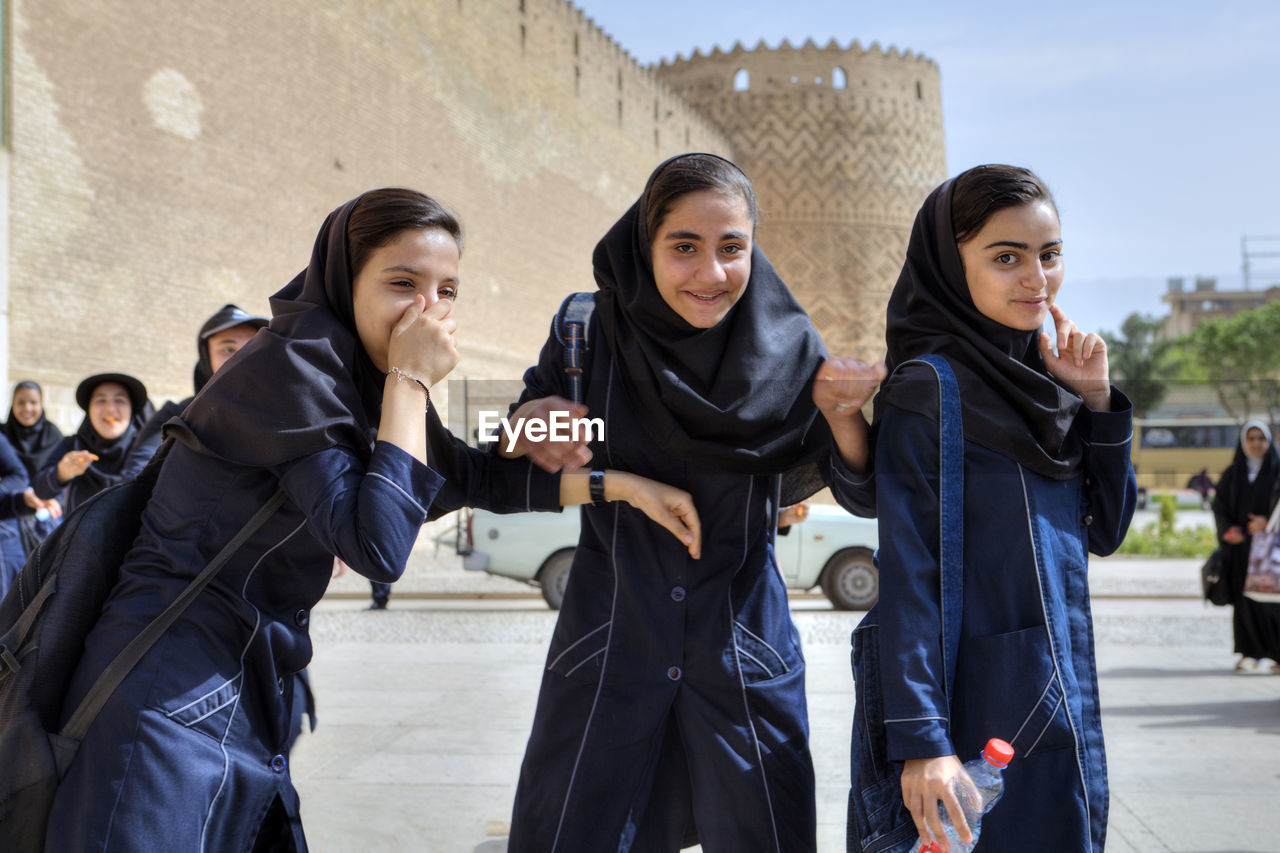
{"points": [[402, 376]]}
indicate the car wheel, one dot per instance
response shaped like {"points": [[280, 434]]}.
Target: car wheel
{"points": [[553, 576], [851, 580]]}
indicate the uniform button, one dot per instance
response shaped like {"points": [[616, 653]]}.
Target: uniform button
{"points": [[677, 593], [278, 764], [301, 618], [674, 673], [1088, 519]]}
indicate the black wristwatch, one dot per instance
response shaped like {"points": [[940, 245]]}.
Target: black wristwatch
{"points": [[596, 485]]}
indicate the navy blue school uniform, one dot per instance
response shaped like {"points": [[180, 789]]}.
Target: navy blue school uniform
{"points": [[1025, 670], [207, 710], [672, 707], [673, 686], [1046, 481]]}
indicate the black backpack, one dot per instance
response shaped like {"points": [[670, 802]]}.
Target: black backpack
{"points": [[45, 619]]}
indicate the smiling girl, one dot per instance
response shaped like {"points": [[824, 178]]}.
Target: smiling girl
{"points": [[103, 450], [1047, 479], [672, 708]]}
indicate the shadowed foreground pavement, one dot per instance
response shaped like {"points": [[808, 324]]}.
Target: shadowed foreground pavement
{"points": [[425, 708]]}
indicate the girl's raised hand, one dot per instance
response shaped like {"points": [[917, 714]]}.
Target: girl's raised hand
{"points": [[74, 463], [842, 386], [1080, 362], [422, 343], [548, 454]]}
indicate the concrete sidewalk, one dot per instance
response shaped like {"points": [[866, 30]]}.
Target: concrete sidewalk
{"points": [[425, 708]]}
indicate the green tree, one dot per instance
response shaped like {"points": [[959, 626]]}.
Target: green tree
{"points": [[1240, 356], [1141, 363]]}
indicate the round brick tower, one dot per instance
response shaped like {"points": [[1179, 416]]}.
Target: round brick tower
{"points": [[842, 145]]}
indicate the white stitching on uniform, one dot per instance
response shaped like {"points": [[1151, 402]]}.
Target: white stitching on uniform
{"points": [[204, 827], [1035, 552], [594, 630]]}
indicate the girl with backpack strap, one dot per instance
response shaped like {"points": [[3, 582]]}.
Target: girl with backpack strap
{"points": [[672, 707], [330, 405], [1046, 480]]}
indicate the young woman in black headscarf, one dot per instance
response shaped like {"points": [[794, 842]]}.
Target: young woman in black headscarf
{"points": [[1047, 479], [1241, 508], [326, 404], [104, 450], [31, 433], [32, 436], [672, 709]]}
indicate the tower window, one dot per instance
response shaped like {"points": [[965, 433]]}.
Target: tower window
{"points": [[838, 78], [741, 80]]}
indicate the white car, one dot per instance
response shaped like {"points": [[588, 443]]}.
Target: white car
{"points": [[830, 548]]}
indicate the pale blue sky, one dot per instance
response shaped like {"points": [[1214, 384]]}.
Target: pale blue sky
{"points": [[1157, 125]]}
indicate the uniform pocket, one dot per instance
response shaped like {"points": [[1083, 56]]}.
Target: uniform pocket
{"points": [[878, 820], [757, 658], [208, 711], [1008, 687], [583, 657]]}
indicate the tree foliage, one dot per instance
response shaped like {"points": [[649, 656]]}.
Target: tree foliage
{"points": [[1142, 365], [1240, 357]]}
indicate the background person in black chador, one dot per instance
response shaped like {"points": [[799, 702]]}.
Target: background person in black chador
{"points": [[327, 405], [1241, 507], [1046, 481], [33, 437], [104, 450], [672, 708]]}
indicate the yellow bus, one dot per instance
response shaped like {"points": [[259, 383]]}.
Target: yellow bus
{"points": [[1168, 452]]}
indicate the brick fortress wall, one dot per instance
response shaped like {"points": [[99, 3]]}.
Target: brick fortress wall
{"points": [[169, 157], [842, 145]]}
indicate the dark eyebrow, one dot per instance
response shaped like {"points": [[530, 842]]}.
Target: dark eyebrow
{"points": [[402, 268], [1015, 245], [689, 235]]}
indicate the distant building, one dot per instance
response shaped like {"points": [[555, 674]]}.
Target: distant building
{"points": [[1189, 307]]}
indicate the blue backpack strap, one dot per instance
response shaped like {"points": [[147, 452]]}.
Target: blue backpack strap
{"points": [[951, 512], [573, 320]]}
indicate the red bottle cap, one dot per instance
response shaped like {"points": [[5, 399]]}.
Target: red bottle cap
{"points": [[998, 753]]}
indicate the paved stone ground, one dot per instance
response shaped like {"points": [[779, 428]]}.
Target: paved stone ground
{"points": [[425, 709]]}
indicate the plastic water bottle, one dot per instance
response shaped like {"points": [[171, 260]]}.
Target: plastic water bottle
{"points": [[988, 783]]}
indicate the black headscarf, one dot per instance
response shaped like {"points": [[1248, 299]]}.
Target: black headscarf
{"points": [[111, 452], [737, 396], [34, 442], [301, 385], [1009, 401], [1238, 496]]}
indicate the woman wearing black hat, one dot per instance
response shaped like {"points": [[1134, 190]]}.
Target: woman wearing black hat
{"points": [[104, 450], [330, 405], [672, 709], [1046, 480], [221, 337]]}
